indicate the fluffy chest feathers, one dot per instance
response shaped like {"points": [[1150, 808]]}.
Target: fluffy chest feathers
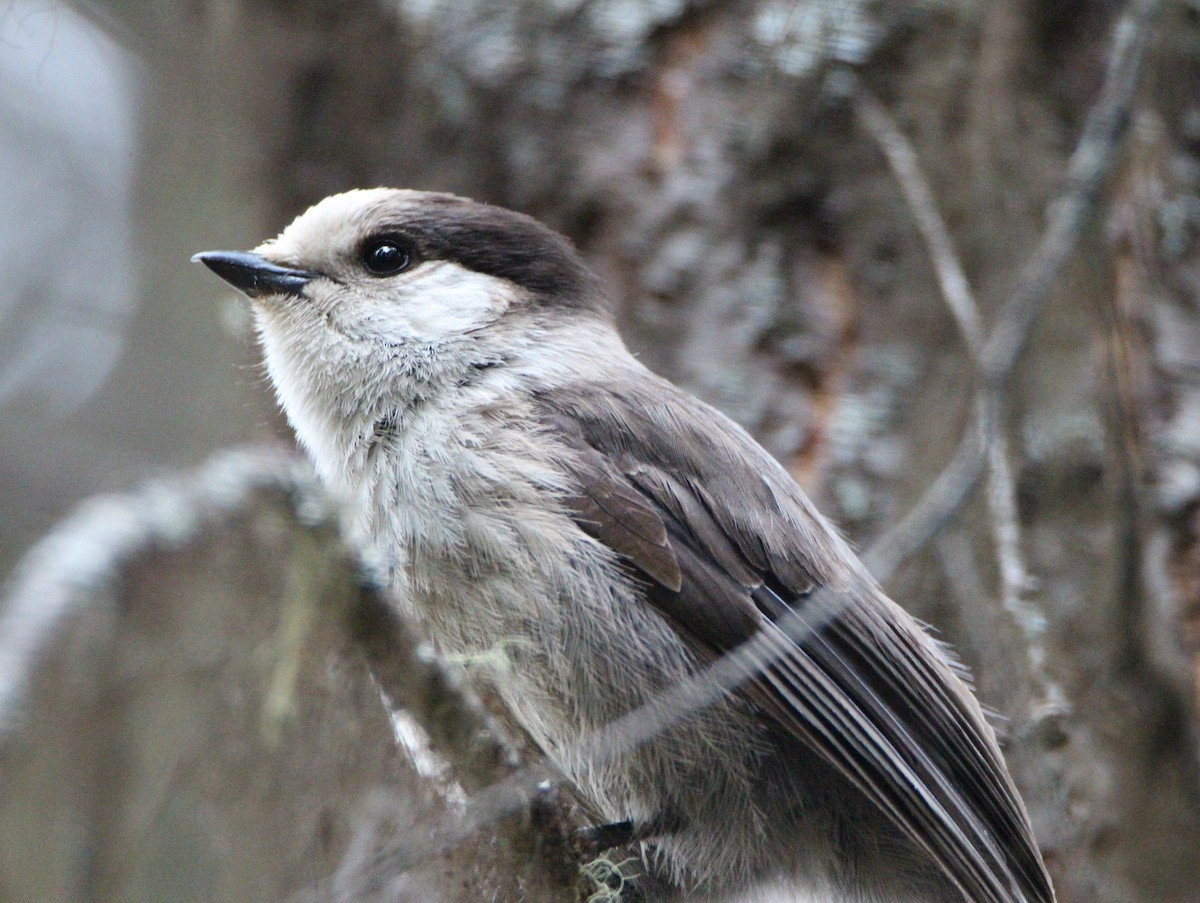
{"points": [[471, 484], [466, 504], [462, 501]]}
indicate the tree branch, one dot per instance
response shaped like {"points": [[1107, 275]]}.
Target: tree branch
{"points": [[1001, 496], [1090, 164]]}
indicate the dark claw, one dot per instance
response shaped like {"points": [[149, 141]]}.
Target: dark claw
{"points": [[598, 838], [595, 840]]}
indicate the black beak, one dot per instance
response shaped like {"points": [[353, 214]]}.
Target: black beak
{"points": [[253, 275]]}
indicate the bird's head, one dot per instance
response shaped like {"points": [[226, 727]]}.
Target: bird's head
{"points": [[388, 268], [373, 298]]}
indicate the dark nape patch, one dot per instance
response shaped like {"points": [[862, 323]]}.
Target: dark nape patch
{"points": [[507, 245]]}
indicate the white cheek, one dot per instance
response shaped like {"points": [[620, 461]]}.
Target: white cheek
{"points": [[440, 300]]}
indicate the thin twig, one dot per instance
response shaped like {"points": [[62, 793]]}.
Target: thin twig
{"points": [[1090, 165], [1048, 707], [936, 508], [1088, 169], [960, 299], [1002, 503], [956, 288]]}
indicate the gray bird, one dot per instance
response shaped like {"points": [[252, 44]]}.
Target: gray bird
{"points": [[454, 371]]}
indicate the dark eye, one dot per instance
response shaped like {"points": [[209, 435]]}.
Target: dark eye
{"points": [[385, 256]]}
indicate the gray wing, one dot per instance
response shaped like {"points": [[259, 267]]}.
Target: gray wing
{"points": [[727, 545]]}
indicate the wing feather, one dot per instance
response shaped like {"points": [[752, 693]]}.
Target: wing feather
{"points": [[729, 548]]}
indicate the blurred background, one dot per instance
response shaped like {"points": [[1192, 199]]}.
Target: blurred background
{"points": [[717, 161]]}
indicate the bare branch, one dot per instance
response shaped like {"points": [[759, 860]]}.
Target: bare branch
{"points": [[1090, 165], [1048, 702], [937, 506], [960, 299], [956, 289]]}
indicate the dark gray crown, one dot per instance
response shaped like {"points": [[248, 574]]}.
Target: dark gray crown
{"points": [[501, 243]]}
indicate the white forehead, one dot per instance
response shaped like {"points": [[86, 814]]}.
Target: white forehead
{"points": [[336, 223]]}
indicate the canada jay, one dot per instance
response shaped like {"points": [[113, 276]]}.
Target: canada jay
{"points": [[452, 368]]}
